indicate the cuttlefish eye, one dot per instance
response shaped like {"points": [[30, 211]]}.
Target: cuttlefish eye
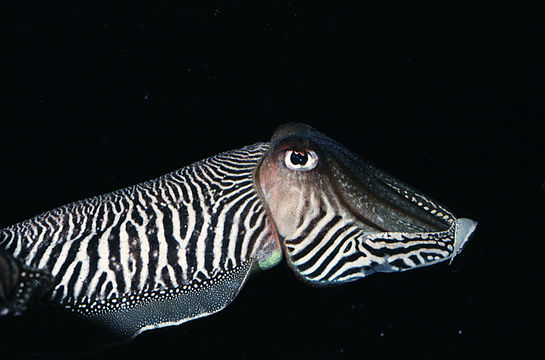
{"points": [[301, 160]]}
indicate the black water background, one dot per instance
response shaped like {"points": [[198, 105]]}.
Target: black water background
{"points": [[448, 96]]}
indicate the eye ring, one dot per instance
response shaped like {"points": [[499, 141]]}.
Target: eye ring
{"points": [[300, 160]]}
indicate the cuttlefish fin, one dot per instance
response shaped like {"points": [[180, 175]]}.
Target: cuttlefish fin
{"points": [[20, 285], [133, 313]]}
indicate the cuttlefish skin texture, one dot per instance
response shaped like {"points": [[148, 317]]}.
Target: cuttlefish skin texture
{"points": [[181, 246]]}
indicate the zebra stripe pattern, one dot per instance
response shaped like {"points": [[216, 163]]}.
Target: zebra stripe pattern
{"points": [[183, 228], [330, 246]]}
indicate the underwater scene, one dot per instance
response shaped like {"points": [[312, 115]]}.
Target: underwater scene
{"points": [[276, 179]]}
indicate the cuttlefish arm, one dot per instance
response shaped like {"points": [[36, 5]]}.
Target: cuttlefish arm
{"points": [[340, 219], [181, 247]]}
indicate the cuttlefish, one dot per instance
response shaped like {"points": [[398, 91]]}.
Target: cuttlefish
{"points": [[180, 247]]}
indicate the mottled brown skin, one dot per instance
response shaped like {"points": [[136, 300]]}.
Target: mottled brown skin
{"points": [[352, 185]]}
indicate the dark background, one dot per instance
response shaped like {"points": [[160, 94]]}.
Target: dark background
{"points": [[446, 95]]}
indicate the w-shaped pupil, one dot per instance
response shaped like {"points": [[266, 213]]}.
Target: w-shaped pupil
{"points": [[298, 158]]}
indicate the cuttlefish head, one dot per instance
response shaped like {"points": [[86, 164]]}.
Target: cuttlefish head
{"points": [[339, 218]]}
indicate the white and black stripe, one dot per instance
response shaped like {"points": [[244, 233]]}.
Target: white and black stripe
{"points": [[182, 228], [331, 246]]}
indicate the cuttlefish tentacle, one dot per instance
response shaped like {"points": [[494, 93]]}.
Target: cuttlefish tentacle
{"points": [[352, 218], [181, 246]]}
